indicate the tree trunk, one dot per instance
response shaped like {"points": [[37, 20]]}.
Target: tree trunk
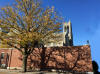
{"points": [[25, 63], [42, 64]]}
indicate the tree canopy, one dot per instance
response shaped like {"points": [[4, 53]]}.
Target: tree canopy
{"points": [[27, 24]]}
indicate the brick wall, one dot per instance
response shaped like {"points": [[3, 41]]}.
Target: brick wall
{"points": [[11, 57], [75, 58]]}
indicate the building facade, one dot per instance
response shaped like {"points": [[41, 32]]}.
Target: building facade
{"points": [[61, 55], [69, 58], [66, 38]]}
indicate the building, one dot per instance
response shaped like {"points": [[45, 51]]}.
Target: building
{"points": [[61, 55], [66, 38], [69, 58]]}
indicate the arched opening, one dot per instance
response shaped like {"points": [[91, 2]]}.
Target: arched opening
{"points": [[67, 29]]}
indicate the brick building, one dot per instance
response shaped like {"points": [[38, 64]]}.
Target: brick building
{"points": [[60, 55], [70, 58]]}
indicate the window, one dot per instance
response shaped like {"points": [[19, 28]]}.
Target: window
{"points": [[2, 55], [65, 29]]}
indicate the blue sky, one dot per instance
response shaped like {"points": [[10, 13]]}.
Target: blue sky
{"points": [[85, 18]]}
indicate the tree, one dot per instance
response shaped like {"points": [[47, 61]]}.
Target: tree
{"points": [[26, 24], [95, 67]]}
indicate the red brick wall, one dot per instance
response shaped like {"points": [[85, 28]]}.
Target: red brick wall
{"points": [[75, 58], [13, 59]]}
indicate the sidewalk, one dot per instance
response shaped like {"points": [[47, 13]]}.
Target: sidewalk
{"points": [[5, 71]]}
